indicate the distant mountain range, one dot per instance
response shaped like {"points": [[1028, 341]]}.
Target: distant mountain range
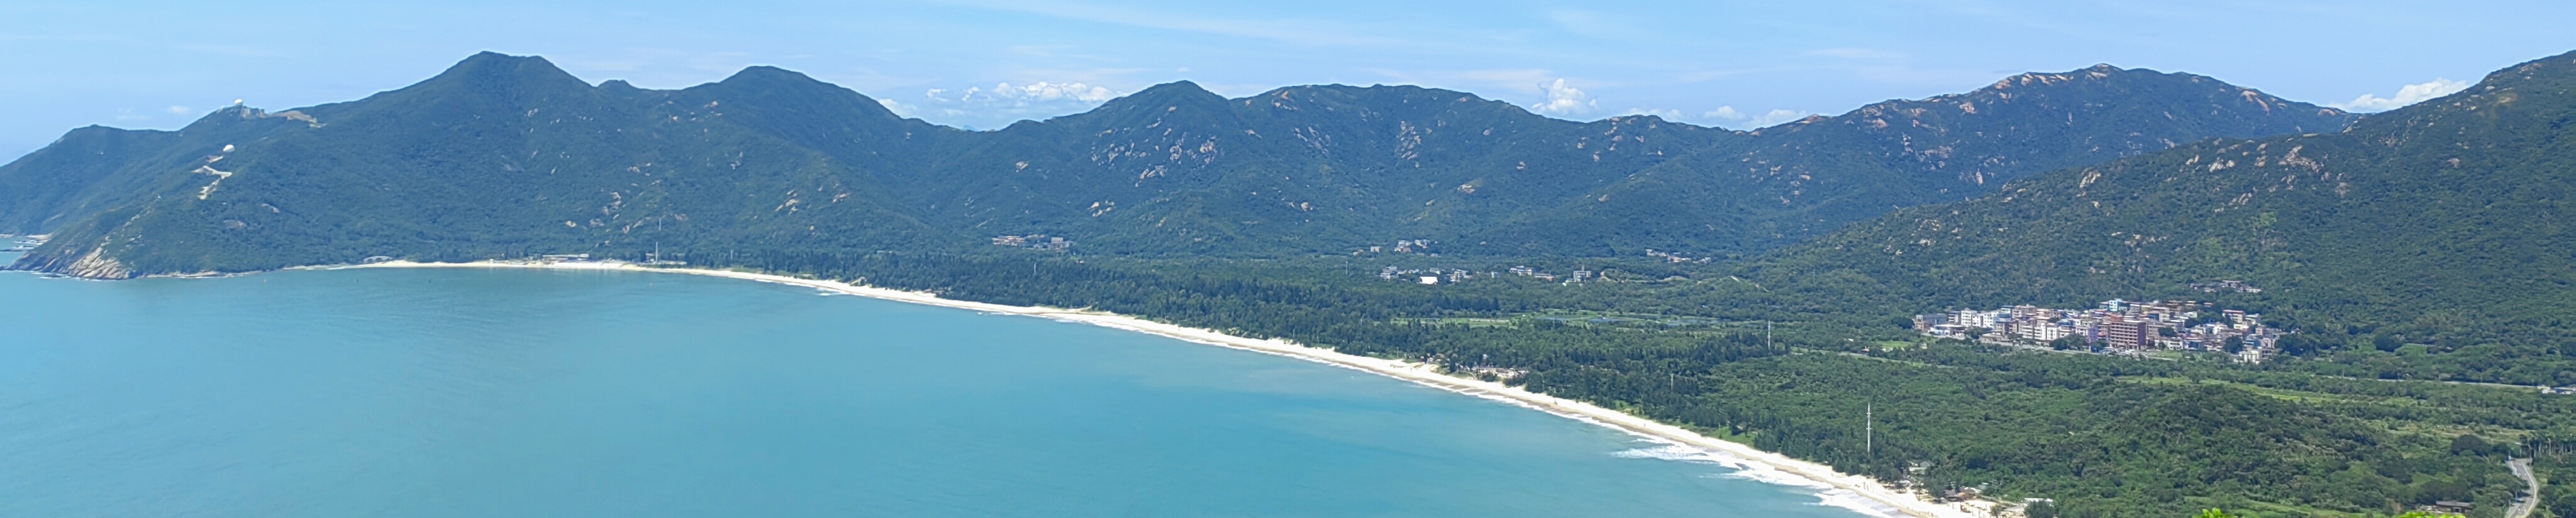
{"points": [[504, 156]]}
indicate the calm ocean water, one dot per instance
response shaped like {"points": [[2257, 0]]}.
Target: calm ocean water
{"points": [[450, 393]]}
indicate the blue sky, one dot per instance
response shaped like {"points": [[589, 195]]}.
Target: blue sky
{"points": [[984, 64]]}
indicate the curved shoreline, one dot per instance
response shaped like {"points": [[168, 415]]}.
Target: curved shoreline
{"points": [[1904, 501]]}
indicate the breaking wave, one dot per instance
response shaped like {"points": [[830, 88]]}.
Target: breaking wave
{"points": [[1826, 494]]}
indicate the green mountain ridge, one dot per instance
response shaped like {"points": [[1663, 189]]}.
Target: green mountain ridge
{"points": [[504, 156], [1803, 179]]}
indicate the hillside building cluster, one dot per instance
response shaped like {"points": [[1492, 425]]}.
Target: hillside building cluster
{"points": [[1670, 257], [2116, 326], [1402, 246], [1453, 276], [2226, 286], [1033, 241], [1426, 275]]}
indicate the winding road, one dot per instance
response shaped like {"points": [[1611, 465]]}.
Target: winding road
{"points": [[2530, 499]]}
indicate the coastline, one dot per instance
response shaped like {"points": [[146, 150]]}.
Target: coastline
{"points": [[1740, 455]]}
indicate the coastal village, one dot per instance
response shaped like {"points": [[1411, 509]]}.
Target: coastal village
{"points": [[2114, 327], [1436, 276], [1034, 242], [1454, 276]]}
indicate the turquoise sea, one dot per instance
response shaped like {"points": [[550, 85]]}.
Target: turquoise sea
{"points": [[503, 393]]}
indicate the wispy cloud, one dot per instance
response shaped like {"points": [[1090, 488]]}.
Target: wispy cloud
{"points": [[177, 110], [1041, 91], [899, 108], [1730, 117], [1004, 101], [228, 50], [1855, 53], [2406, 95], [1306, 32], [1589, 23]]}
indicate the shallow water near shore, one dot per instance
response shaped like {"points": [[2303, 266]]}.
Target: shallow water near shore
{"points": [[454, 392]]}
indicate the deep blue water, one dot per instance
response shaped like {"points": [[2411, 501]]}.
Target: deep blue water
{"points": [[453, 393]]}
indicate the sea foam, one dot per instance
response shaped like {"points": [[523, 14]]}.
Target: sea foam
{"points": [[1826, 495]]}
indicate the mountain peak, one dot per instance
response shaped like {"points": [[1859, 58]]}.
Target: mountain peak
{"points": [[1163, 97], [2101, 82], [2096, 72], [783, 87], [489, 61], [1175, 92], [766, 73], [2550, 69], [494, 68], [493, 56]]}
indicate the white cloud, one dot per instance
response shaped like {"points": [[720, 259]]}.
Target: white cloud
{"points": [[129, 115], [178, 110], [1729, 116], [1563, 100], [899, 109], [2406, 95], [1075, 91], [1004, 102], [1022, 95]]}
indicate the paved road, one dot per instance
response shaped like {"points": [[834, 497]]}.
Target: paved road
{"points": [[2472, 383], [2530, 499]]}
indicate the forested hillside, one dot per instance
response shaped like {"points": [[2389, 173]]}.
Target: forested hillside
{"points": [[497, 157], [505, 156], [1313, 169], [97, 168], [1799, 180], [2443, 225]]}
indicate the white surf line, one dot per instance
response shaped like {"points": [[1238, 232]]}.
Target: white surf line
{"points": [[1820, 476]]}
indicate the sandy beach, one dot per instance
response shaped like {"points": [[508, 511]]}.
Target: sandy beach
{"points": [[1741, 455]]}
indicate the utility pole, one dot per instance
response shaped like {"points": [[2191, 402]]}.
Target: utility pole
{"points": [[1869, 429]]}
